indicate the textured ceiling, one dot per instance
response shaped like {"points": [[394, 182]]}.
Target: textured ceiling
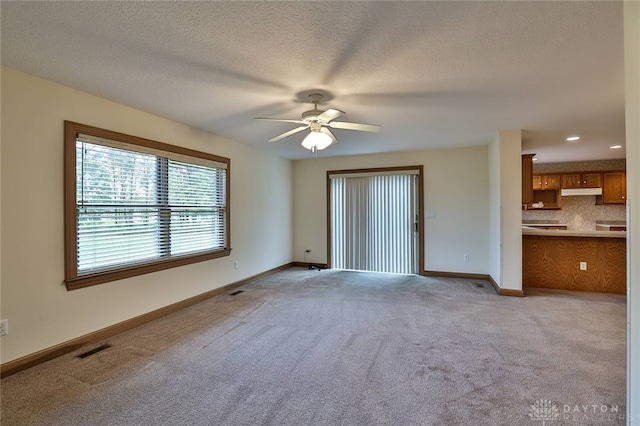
{"points": [[433, 74]]}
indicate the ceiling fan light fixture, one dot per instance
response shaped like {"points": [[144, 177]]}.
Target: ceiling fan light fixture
{"points": [[317, 140], [319, 122]]}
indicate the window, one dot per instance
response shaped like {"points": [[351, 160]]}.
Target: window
{"points": [[135, 206]]}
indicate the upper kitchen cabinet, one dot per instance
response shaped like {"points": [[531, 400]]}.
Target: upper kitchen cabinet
{"points": [[527, 178], [546, 182], [581, 180], [592, 180], [546, 192], [537, 182], [614, 189]]}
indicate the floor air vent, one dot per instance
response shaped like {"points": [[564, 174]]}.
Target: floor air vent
{"points": [[236, 292], [480, 285], [94, 351]]}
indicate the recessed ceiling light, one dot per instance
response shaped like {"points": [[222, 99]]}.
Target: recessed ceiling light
{"points": [[615, 146], [573, 138], [535, 158]]}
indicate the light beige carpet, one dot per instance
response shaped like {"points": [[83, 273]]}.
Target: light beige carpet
{"points": [[346, 348]]}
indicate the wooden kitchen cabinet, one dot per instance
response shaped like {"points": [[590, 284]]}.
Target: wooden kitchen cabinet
{"points": [[581, 180], [550, 261], [549, 197], [537, 182], [572, 181], [546, 182], [527, 178], [592, 180], [614, 188], [546, 189], [551, 182]]}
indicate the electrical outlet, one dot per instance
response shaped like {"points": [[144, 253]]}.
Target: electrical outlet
{"points": [[583, 266], [236, 264], [308, 250], [466, 257], [4, 327]]}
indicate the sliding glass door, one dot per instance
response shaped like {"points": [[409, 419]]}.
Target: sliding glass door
{"points": [[374, 220]]}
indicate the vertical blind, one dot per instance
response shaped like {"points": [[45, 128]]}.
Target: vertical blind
{"points": [[136, 205], [372, 223]]}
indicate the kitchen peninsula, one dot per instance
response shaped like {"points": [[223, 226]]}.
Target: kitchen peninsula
{"points": [[574, 260]]}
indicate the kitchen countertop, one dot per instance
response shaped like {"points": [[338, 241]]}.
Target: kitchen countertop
{"points": [[611, 222], [608, 224], [541, 222], [572, 233]]}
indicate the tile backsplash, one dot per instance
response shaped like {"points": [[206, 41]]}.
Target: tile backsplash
{"points": [[579, 213], [579, 166]]}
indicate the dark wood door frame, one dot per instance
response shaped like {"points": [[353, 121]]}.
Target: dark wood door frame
{"points": [[421, 218]]}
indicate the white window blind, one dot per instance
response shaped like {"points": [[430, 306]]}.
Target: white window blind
{"points": [[372, 222], [136, 206]]}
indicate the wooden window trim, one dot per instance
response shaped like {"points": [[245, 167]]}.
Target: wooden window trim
{"points": [[72, 280]]}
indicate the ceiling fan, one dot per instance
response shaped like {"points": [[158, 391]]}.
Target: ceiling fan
{"points": [[319, 122]]}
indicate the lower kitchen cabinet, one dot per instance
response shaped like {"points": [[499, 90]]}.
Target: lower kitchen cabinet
{"points": [[554, 262]]}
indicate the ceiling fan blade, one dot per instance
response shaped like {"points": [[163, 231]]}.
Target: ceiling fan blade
{"points": [[355, 126], [330, 114], [328, 133], [289, 133], [282, 120]]}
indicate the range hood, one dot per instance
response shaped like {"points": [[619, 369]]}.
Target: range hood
{"points": [[581, 191]]}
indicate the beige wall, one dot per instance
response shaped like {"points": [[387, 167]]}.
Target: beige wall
{"points": [[511, 206], [1, 312], [505, 205], [632, 111], [41, 312], [456, 189], [495, 219]]}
